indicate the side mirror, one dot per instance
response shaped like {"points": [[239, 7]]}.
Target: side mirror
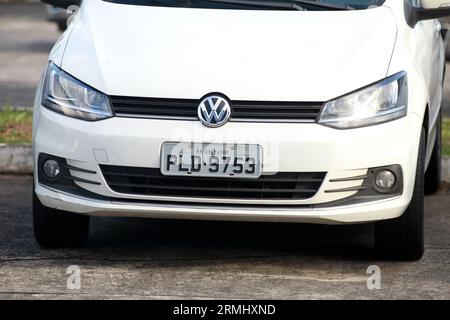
{"points": [[62, 3], [427, 10]]}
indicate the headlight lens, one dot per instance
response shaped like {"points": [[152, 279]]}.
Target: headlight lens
{"points": [[65, 94], [384, 101]]}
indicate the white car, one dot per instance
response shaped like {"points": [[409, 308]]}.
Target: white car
{"points": [[277, 111]]}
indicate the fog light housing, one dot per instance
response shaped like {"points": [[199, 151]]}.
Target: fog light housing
{"points": [[385, 180], [51, 168]]}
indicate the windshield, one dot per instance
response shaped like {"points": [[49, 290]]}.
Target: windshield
{"points": [[242, 4]]}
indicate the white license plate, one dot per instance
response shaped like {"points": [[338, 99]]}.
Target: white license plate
{"points": [[206, 160]]}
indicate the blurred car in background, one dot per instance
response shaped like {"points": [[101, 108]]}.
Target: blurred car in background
{"points": [[59, 16], [446, 35]]}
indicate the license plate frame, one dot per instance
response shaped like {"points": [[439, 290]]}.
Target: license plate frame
{"points": [[210, 160]]}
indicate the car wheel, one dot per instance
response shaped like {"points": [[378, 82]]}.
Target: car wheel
{"points": [[402, 238], [58, 229], [433, 174]]}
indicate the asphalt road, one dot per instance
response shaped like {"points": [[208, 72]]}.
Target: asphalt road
{"points": [[26, 38], [154, 259]]}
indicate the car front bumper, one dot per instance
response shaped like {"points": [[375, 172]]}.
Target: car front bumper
{"points": [[287, 147], [374, 211]]}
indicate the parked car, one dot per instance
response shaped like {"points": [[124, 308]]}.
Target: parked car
{"points": [[279, 111], [58, 16]]}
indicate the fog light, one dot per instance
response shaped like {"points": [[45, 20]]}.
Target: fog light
{"points": [[385, 180], [51, 169]]}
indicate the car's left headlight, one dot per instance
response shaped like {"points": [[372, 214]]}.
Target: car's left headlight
{"points": [[66, 95], [383, 101]]}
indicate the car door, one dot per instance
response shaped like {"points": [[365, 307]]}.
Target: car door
{"points": [[437, 61], [431, 58]]}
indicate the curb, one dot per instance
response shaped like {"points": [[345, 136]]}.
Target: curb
{"points": [[446, 169], [17, 159]]}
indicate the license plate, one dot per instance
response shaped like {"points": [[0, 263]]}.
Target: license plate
{"points": [[206, 160]]}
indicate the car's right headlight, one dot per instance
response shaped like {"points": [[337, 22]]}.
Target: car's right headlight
{"points": [[383, 101], [66, 95]]}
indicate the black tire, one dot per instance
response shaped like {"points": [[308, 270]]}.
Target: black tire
{"points": [[447, 46], [402, 238], [433, 174], [58, 229], [62, 26]]}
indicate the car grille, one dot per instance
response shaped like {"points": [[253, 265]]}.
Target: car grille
{"points": [[150, 182], [186, 109]]}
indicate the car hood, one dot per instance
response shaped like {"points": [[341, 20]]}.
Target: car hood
{"points": [[162, 52]]}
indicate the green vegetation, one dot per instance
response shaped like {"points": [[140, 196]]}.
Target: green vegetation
{"points": [[15, 126], [446, 136]]}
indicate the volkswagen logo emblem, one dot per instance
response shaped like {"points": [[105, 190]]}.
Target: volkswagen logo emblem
{"points": [[214, 111]]}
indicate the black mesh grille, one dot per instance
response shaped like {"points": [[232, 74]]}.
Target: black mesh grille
{"points": [[241, 110], [149, 181]]}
